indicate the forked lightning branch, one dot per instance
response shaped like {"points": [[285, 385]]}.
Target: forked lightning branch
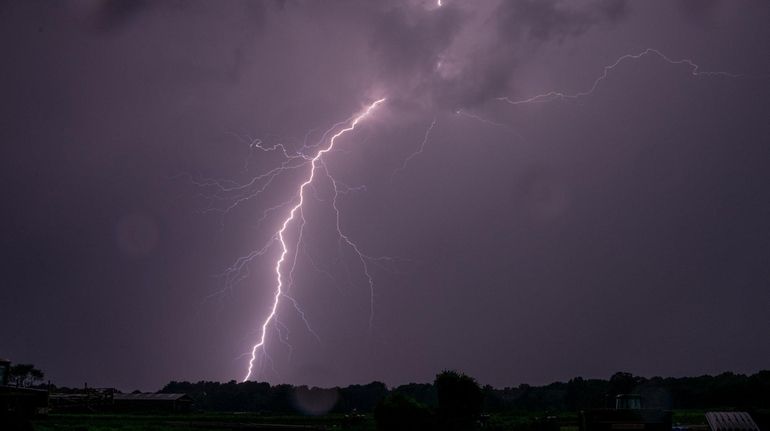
{"points": [[293, 216]]}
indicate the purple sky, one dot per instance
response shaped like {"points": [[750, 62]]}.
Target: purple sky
{"points": [[622, 230]]}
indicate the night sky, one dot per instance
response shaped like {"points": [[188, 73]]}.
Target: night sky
{"points": [[622, 230]]}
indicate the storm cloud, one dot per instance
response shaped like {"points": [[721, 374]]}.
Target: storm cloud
{"points": [[624, 230]]}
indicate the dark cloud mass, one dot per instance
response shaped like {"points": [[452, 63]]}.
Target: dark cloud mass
{"points": [[553, 19], [113, 14], [623, 230]]}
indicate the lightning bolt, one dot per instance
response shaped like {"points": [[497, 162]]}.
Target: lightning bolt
{"points": [[419, 150], [557, 95], [235, 194], [315, 164]]}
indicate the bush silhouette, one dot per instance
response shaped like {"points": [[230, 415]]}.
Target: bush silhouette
{"points": [[398, 412]]}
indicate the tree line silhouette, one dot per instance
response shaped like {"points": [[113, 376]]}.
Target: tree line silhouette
{"points": [[455, 401], [727, 390]]}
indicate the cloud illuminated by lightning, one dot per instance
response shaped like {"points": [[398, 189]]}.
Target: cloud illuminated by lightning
{"points": [[315, 163], [236, 194]]}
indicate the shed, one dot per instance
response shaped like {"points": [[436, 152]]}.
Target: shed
{"points": [[731, 421]]}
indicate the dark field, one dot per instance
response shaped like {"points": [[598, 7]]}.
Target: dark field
{"points": [[565, 421], [196, 421]]}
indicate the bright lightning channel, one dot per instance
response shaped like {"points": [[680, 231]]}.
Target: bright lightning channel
{"points": [[556, 95], [314, 162]]}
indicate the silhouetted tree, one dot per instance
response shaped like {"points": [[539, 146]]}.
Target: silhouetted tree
{"points": [[459, 400], [621, 383], [493, 402], [24, 374], [398, 412], [424, 393], [576, 389], [361, 398]]}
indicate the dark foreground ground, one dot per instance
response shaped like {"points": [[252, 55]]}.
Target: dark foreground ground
{"points": [[197, 421], [566, 421]]}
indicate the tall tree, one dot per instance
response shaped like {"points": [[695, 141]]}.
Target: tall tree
{"points": [[460, 400]]}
